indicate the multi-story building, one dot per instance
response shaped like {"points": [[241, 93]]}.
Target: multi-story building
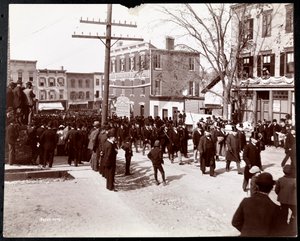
{"points": [[156, 81], [98, 90], [23, 70], [175, 81], [266, 64], [52, 89], [80, 90], [130, 76]]}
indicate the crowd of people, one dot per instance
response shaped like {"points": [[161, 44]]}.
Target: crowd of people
{"points": [[82, 138]]}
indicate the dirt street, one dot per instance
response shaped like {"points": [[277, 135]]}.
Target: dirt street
{"points": [[190, 205]]}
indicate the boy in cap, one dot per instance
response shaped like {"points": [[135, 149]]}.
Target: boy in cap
{"points": [[254, 171], [155, 155], [258, 215]]}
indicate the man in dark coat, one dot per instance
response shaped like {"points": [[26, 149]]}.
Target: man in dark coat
{"points": [[19, 101], [71, 139], [156, 156], [251, 156], [207, 151], [110, 151], [10, 96], [258, 215], [233, 150], [290, 147], [48, 141], [197, 134], [12, 134]]}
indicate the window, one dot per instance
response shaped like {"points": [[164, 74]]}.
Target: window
{"points": [[30, 76], [290, 62], [20, 75], [80, 83], [60, 82], [191, 63], [248, 29], [42, 82], [266, 65], [191, 88], [72, 83], [97, 82], [52, 95], [122, 62], [51, 82], [157, 87], [81, 95], [197, 89], [141, 62], [287, 64], [87, 95], [266, 27], [43, 95], [289, 19], [87, 83], [73, 95], [246, 67], [157, 62], [97, 94], [61, 94]]}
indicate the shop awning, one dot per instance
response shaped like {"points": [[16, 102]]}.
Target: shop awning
{"points": [[51, 106]]}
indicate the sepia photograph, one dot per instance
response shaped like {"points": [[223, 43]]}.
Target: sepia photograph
{"points": [[149, 120]]}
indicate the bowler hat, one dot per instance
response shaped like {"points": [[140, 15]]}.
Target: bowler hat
{"points": [[265, 179]]}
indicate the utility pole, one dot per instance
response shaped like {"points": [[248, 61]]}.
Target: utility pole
{"points": [[108, 45]]}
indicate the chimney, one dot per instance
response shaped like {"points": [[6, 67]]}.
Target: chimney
{"points": [[169, 43], [62, 67]]}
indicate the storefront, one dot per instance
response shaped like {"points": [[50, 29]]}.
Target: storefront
{"points": [[267, 99]]}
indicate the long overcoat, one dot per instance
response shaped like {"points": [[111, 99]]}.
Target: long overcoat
{"points": [[233, 148]]}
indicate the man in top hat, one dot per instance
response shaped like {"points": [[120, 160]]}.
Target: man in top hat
{"points": [[290, 147], [30, 102], [258, 215], [110, 151], [207, 149], [251, 156], [233, 150]]}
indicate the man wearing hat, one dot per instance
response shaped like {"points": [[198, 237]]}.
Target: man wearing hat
{"points": [[207, 151], [92, 137], [19, 102], [258, 215], [110, 151], [156, 156], [30, 102], [251, 156], [286, 190], [233, 150], [290, 147]]}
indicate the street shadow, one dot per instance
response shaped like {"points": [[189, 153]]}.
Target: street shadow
{"points": [[267, 165], [174, 177], [220, 171], [140, 177]]}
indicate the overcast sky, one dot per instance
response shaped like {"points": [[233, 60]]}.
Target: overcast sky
{"points": [[44, 33]]}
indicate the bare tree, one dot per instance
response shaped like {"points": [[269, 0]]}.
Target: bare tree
{"points": [[209, 26]]}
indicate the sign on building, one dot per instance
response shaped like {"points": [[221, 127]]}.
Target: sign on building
{"points": [[123, 106]]}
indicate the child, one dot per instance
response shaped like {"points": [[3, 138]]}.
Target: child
{"points": [[127, 147], [155, 155]]}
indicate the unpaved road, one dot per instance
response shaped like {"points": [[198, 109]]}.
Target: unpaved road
{"points": [[191, 205]]}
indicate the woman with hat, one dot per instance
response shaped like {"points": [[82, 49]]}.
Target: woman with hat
{"points": [[258, 215], [156, 156]]}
